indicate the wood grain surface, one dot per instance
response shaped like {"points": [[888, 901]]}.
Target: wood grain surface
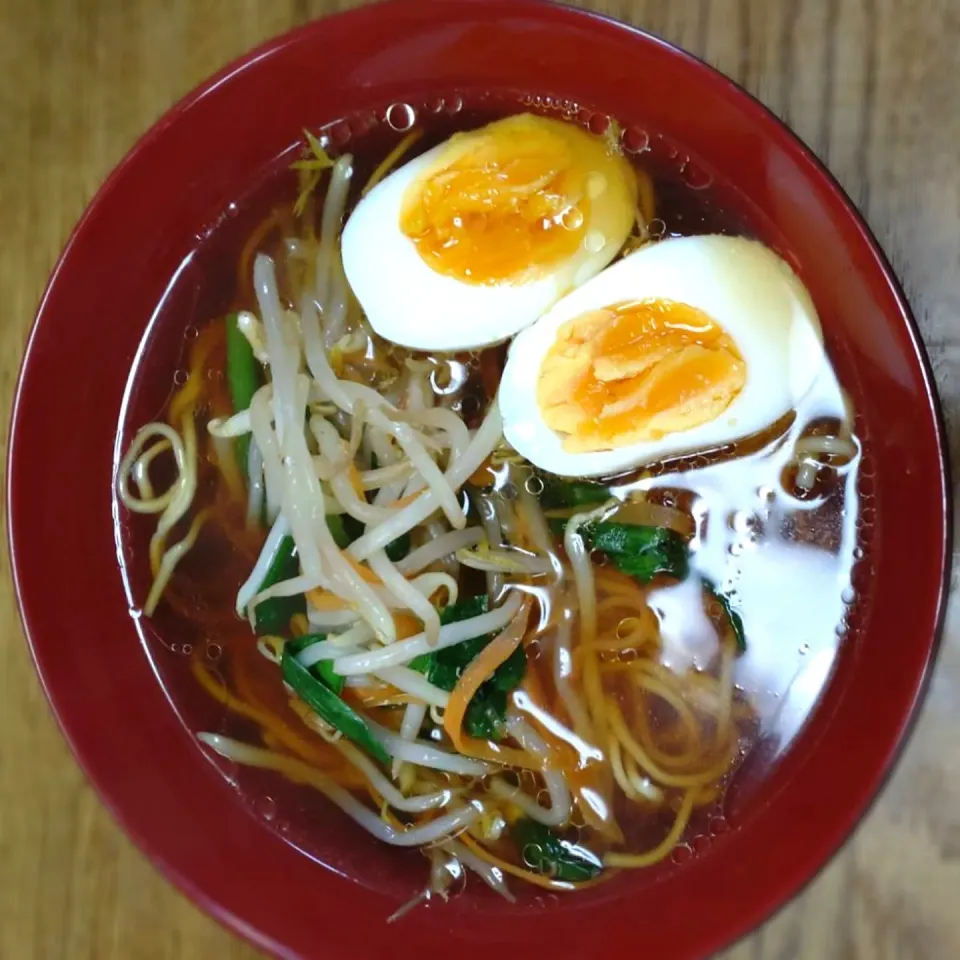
{"points": [[872, 85]]}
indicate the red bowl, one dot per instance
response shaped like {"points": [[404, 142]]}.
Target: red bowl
{"points": [[172, 193]]}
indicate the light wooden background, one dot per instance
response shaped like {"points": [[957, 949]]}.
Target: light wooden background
{"points": [[872, 85]]}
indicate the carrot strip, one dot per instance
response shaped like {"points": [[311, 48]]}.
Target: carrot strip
{"points": [[325, 601], [368, 575], [355, 481], [476, 673], [406, 625], [483, 476]]}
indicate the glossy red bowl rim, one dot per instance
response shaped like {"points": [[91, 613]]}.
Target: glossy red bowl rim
{"points": [[780, 889]]}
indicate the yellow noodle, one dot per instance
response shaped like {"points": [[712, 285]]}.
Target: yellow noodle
{"points": [[619, 774], [388, 162], [685, 718], [664, 848], [227, 464], [663, 777], [726, 693], [282, 734]]}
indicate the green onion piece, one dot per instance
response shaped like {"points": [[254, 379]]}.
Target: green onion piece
{"points": [[329, 707], [558, 493], [322, 669], [273, 616], [638, 551], [546, 853], [346, 529], [734, 618], [243, 378], [338, 530]]}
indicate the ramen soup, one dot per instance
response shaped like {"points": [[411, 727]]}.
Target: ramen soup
{"points": [[513, 487]]}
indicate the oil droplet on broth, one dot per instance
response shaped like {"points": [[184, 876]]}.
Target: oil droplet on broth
{"points": [[682, 853], [718, 826], [634, 140], [694, 176], [598, 123], [656, 228], [701, 844], [266, 808], [401, 117]]}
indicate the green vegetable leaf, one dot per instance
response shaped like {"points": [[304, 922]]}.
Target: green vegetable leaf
{"points": [[643, 552], [337, 530], [273, 616], [243, 377], [485, 714], [346, 529], [399, 548], [640, 552], [558, 493], [546, 853], [328, 706], [322, 669], [734, 618], [473, 607]]}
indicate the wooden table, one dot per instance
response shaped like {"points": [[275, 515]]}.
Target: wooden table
{"points": [[872, 85]]}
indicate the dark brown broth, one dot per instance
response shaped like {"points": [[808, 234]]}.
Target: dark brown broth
{"points": [[204, 626]]}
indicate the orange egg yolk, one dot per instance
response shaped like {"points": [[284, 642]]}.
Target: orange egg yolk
{"points": [[508, 202], [636, 372]]}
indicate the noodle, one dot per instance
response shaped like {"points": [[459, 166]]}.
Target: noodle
{"points": [[664, 848], [656, 772]]}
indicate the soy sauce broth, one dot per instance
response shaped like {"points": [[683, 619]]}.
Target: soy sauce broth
{"points": [[787, 561]]}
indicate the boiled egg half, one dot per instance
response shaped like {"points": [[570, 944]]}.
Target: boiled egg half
{"points": [[681, 347], [475, 239]]}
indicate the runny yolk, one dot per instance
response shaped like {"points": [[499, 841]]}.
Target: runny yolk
{"points": [[509, 201], [637, 371]]}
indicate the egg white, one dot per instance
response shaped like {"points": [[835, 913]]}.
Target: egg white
{"points": [[741, 285], [410, 304]]}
